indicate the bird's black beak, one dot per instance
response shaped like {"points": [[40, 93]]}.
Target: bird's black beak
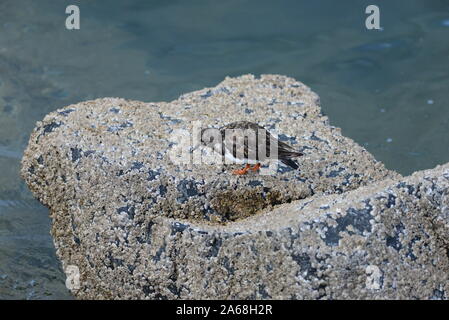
{"points": [[196, 147]]}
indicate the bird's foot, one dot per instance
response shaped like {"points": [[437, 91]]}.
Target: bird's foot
{"points": [[256, 167], [242, 171], [246, 169]]}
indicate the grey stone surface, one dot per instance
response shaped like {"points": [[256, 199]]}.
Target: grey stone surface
{"points": [[139, 225]]}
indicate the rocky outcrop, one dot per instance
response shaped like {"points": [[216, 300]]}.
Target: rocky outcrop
{"points": [[141, 218]]}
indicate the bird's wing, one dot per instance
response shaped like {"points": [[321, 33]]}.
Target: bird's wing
{"points": [[246, 138], [245, 143]]}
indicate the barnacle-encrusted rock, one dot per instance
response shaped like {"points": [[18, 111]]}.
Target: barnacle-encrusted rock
{"points": [[139, 221]]}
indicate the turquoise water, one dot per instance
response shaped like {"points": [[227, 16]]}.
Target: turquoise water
{"points": [[386, 89]]}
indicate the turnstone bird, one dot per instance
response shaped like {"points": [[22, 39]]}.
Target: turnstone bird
{"points": [[240, 142]]}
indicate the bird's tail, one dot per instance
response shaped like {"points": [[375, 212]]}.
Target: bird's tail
{"points": [[290, 154], [287, 156], [291, 163]]}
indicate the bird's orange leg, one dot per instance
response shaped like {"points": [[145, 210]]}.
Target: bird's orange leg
{"points": [[256, 167], [242, 171]]}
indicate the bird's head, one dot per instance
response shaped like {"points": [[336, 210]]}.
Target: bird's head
{"points": [[207, 137]]}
